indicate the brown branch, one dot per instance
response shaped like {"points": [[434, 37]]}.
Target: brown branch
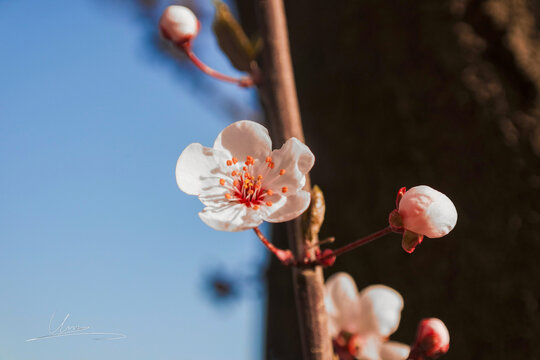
{"points": [[278, 94]]}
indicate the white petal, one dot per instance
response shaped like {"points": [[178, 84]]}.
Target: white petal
{"points": [[178, 23], [392, 350], [232, 217], [380, 308], [369, 348], [296, 159], [244, 138], [341, 302], [293, 207], [427, 211], [199, 169]]}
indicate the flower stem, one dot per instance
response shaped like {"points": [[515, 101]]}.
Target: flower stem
{"points": [[285, 256], [355, 244], [243, 82]]}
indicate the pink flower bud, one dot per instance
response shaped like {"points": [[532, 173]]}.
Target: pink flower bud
{"points": [[178, 24], [432, 338], [428, 212]]}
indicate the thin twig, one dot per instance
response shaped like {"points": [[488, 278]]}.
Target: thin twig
{"points": [[355, 244], [243, 82]]}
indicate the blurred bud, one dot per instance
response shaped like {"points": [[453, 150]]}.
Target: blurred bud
{"points": [[432, 338], [178, 24], [221, 286], [428, 212]]}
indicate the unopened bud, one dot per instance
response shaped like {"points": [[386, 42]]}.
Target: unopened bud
{"points": [[178, 24], [432, 338], [428, 212]]}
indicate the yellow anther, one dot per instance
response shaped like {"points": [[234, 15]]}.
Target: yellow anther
{"points": [[259, 177], [249, 160], [228, 196], [268, 203], [234, 173], [282, 171], [268, 159], [222, 181], [284, 189], [269, 192], [255, 207], [234, 160], [235, 183], [246, 185], [250, 192], [229, 162]]}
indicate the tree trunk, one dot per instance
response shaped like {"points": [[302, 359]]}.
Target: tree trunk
{"points": [[443, 93]]}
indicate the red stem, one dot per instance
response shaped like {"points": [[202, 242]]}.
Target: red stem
{"points": [[285, 256], [243, 82], [356, 244]]}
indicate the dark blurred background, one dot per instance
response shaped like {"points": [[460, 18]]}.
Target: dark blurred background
{"points": [[443, 93]]}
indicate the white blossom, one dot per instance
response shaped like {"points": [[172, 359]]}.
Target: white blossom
{"points": [[428, 212], [242, 182], [368, 317]]}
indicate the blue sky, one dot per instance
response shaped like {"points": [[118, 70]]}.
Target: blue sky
{"points": [[91, 221]]}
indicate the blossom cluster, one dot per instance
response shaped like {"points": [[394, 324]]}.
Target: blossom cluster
{"points": [[360, 323]]}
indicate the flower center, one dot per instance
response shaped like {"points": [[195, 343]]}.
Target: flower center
{"points": [[246, 187]]}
